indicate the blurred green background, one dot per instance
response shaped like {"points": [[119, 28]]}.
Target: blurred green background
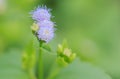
{"points": [[92, 28]]}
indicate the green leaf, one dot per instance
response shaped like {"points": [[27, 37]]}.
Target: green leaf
{"points": [[80, 70], [46, 47], [10, 66]]}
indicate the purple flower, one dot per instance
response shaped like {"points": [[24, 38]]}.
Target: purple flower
{"points": [[41, 13], [46, 23], [42, 18], [46, 33]]}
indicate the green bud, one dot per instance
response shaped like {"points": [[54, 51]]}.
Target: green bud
{"points": [[35, 27], [72, 57], [60, 49], [64, 43], [67, 52], [61, 61], [65, 55]]}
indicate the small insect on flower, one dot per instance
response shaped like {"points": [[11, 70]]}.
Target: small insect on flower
{"points": [[46, 33], [41, 13]]}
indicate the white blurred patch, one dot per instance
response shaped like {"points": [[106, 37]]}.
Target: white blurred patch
{"points": [[2, 6]]}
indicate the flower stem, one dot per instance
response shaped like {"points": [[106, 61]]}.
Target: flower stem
{"points": [[40, 63]]}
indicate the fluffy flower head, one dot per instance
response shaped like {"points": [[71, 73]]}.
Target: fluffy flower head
{"points": [[41, 13], [43, 27], [46, 33], [45, 23]]}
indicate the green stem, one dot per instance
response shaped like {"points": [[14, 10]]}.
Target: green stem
{"points": [[40, 63], [31, 74], [55, 72]]}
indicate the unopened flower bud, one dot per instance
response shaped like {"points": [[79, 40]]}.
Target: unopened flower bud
{"points": [[67, 52], [35, 27], [60, 49], [65, 55], [72, 57], [61, 61]]}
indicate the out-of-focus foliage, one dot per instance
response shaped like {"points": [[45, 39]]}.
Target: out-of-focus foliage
{"points": [[10, 66], [81, 70], [90, 26]]}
